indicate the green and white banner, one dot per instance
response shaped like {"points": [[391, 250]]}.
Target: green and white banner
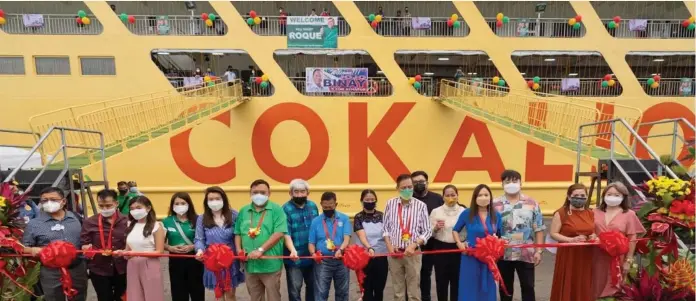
{"points": [[312, 32]]}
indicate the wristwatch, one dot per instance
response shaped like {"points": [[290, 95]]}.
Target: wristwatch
{"points": [[260, 249]]}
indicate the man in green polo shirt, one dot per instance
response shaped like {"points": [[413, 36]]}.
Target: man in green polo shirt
{"points": [[258, 230]]}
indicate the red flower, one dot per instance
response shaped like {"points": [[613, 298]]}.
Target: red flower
{"points": [[677, 207], [658, 227]]}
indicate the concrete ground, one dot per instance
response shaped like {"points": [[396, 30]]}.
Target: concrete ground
{"points": [[544, 276]]}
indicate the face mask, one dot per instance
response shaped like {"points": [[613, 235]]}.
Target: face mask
{"points": [[406, 194], [299, 200], [613, 200], [329, 213], [450, 201], [180, 209], [51, 206], [215, 205], [578, 202], [122, 191], [259, 199], [419, 187], [511, 188], [370, 206], [108, 212], [483, 201], [138, 214], [134, 189]]}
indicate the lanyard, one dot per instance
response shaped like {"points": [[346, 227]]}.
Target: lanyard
{"points": [[333, 231], [111, 231], [404, 230], [251, 218]]}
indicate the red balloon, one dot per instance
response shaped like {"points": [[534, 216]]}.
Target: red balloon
{"points": [[450, 23], [686, 23], [499, 23], [617, 19], [2, 13], [252, 14], [374, 24], [258, 80], [530, 83], [607, 77], [656, 78], [204, 16], [418, 78], [131, 19], [79, 20], [578, 18]]}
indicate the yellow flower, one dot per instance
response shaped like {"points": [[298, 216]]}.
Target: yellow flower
{"points": [[2, 201]]}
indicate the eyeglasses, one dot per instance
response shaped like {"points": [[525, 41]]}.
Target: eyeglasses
{"points": [[49, 200], [420, 182]]}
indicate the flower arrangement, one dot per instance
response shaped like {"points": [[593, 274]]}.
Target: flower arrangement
{"points": [[672, 198]]}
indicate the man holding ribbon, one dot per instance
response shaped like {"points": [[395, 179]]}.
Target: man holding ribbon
{"points": [[406, 229], [300, 212], [330, 235], [106, 231]]}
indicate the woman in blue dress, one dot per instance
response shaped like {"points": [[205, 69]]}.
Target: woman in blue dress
{"points": [[216, 225], [475, 280]]}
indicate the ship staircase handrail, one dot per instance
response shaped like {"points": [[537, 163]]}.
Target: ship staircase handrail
{"points": [[33, 137], [674, 134]]}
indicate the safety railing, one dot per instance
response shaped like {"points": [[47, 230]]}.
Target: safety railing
{"points": [[673, 125], [419, 27], [577, 87], [50, 24], [536, 28], [670, 87], [554, 121], [649, 29], [277, 26], [175, 25]]}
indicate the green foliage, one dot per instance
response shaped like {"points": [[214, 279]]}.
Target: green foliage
{"points": [[645, 209], [666, 160], [29, 281]]}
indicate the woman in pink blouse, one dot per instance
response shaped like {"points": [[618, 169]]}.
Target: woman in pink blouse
{"points": [[613, 214]]}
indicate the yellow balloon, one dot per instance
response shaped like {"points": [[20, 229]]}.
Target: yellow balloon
{"points": [[572, 21], [535, 86], [209, 23], [691, 20], [257, 20], [655, 85], [411, 80], [206, 78], [612, 82], [2, 21], [499, 17], [454, 17], [264, 78], [86, 21], [496, 79], [378, 18]]}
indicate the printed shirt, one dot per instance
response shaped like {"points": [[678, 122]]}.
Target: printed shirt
{"points": [[318, 237], [372, 224], [44, 229], [90, 235], [274, 221], [521, 222], [299, 223], [415, 213], [173, 236]]}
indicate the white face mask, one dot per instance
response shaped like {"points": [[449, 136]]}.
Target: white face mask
{"points": [[138, 214], [180, 209], [215, 205], [612, 200], [259, 199], [511, 188], [108, 212], [51, 206]]}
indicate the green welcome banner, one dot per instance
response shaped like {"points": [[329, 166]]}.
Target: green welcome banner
{"points": [[312, 32]]}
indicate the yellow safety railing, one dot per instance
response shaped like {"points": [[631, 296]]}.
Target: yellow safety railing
{"points": [[552, 120], [142, 116]]}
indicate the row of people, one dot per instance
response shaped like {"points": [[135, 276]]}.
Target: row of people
{"points": [[263, 228]]}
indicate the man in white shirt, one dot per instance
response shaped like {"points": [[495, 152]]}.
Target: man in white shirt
{"points": [[229, 75], [315, 85]]}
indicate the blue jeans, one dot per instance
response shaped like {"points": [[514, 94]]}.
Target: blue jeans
{"points": [[331, 269], [294, 276]]}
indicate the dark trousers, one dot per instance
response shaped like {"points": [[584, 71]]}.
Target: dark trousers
{"points": [[447, 272], [525, 272], [186, 277], [426, 273], [376, 273], [295, 276], [109, 288]]}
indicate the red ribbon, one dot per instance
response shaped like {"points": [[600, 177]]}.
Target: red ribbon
{"points": [[60, 254], [616, 245], [317, 256], [488, 250], [356, 258], [218, 258]]}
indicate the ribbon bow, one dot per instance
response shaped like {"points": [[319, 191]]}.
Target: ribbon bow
{"points": [[488, 250], [60, 254], [616, 245], [356, 258], [218, 258]]}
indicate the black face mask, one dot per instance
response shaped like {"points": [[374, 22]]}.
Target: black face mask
{"points": [[299, 200], [329, 213], [419, 188], [370, 206], [122, 191]]}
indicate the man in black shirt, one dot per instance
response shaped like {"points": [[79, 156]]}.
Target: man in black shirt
{"points": [[432, 200]]}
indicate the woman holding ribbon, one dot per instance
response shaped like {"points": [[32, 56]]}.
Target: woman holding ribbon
{"points": [[215, 226], [614, 214], [368, 225], [573, 223], [476, 282], [443, 219], [145, 235], [185, 274]]}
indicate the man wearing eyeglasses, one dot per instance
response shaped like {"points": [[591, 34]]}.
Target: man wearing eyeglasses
{"points": [[432, 200], [56, 223]]}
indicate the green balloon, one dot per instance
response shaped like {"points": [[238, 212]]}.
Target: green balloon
{"points": [[123, 17], [691, 26], [371, 17], [417, 85], [212, 17], [81, 14], [264, 85], [501, 83], [536, 79], [457, 24], [576, 26], [612, 25], [211, 83], [650, 81], [250, 21], [605, 84], [506, 19]]}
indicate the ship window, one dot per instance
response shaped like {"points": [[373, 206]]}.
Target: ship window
{"points": [[98, 66], [12, 65], [52, 65]]}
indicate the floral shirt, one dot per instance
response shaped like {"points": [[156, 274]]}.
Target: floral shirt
{"points": [[521, 222]]}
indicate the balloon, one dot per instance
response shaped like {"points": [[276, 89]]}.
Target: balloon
{"points": [[506, 19], [690, 19], [2, 13], [86, 21], [78, 20], [123, 17], [2, 21], [654, 85], [258, 80], [607, 77], [501, 83], [131, 19], [686, 23], [81, 14], [530, 83], [572, 21], [499, 17], [210, 84], [204, 16], [209, 23], [457, 24], [691, 26], [650, 81], [499, 23], [657, 78], [411, 80], [612, 82], [257, 20], [264, 77], [378, 18], [617, 19], [250, 21], [374, 24], [212, 17], [264, 85], [578, 18], [417, 85], [454, 17], [605, 84], [252, 14], [576, 26], [206, 78], [611, 25], [535, 86], [536, 79], [418, 78], [496, 79], [450, 23], [371, 17]]}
